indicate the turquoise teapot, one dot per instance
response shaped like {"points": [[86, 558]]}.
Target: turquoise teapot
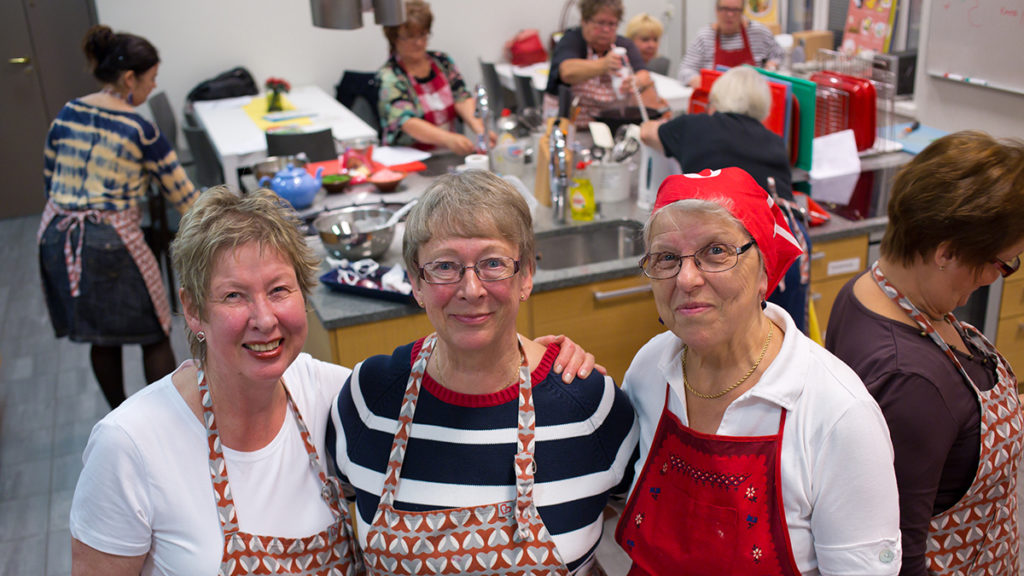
{"points": [[295, 185]]}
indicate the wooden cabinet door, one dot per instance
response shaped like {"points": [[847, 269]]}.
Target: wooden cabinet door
{"points": [[610, 319]]}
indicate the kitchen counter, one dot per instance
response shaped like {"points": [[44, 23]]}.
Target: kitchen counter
{"points": [[336, 310]]}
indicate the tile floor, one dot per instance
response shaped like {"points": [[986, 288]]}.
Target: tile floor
{"points": [[49, 402]]}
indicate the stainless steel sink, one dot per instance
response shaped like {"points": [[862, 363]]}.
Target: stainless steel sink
{"points": [[589, 244]]}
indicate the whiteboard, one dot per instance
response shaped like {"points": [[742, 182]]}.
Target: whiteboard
{"points": [[978, 42]]}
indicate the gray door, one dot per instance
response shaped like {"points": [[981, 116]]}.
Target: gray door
{"points": [[41, 67]]}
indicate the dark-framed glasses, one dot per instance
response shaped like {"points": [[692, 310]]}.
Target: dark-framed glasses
{"points": [[715, 257], [487, 270], [1007, 268], [729, 9]]}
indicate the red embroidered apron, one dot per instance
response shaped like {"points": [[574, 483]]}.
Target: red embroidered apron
{"points": [[707, 505], [732, 58], [330, 552], [435, 99], [495, 539], [596, 94], [978, 535], [126, 224]]}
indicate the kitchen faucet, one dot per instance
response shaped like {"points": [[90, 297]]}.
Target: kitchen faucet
{"points": [[483, 111], [559, 174]]}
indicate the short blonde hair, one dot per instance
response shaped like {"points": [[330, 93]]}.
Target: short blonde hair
{"points": [[473, 204], [741, 90], [643, 25], [222, 220]]}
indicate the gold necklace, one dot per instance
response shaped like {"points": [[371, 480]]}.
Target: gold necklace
{"points": [[764, 349], [515, 375]]}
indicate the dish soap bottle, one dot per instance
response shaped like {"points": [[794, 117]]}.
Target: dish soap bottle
{"points": [[581, 195]]}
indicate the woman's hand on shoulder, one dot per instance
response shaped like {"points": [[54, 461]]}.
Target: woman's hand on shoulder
{"points": [[572, 359]]}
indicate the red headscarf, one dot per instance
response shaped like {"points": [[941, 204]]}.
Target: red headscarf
{"points": [[739, 194]]}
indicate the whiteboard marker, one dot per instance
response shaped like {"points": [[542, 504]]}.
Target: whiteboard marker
{"points": [[952, 76], [978, 81]]}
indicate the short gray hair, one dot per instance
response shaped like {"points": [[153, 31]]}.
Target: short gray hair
{"points": [[473, 204], [741, 90]]}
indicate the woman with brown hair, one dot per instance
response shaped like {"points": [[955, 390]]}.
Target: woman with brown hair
{"points": [[422, 93], [102, 282], [956, 223]]}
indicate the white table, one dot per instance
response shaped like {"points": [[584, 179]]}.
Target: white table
{"points": [[671, 90], [239, 142]]}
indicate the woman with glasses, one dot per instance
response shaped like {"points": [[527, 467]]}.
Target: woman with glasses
{"points": [[731, 40], [760, 452], [466, 453], [949, 397], [584, 60], [422, 93]]}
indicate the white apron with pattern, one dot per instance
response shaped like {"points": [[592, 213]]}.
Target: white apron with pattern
{"points": [[330, 552], [596, 94], [978, 535], [505, 538]]}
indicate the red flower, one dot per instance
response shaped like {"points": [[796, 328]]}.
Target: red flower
{"points": [[277, 85]]}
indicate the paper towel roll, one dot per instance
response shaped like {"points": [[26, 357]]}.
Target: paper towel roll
{"points": [[478, 162]]}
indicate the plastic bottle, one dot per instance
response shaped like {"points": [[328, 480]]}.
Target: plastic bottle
{"points": [[619, 76], [507, 156], [581, 195]]}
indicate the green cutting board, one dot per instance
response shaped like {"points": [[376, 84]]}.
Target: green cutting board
{"points": [[805, 92]]}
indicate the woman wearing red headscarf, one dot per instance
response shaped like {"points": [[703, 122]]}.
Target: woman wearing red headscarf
{"points": [[760, 452]]}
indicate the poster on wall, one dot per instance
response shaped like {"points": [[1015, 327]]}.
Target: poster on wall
{"points": [[869, 26], [764, 11]]}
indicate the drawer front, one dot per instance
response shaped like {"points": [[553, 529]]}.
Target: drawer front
{"points": [[1010, 343], [838, 258], [822, 295], [1013, 296], [611, 319]]}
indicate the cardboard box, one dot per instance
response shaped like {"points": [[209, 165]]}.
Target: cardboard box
{"points": [[812, 41]]}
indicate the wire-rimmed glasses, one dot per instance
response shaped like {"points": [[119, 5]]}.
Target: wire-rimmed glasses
{"points": [[715, 257], [490, 269]]}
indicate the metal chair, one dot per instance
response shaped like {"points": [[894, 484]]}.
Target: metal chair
{"points": [[318, 146], [525, 93], [495, 91], [163, 116], [208, 169], [658, 65]]}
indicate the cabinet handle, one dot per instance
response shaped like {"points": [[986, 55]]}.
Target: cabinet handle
{"points": [[21, 60], [815, 296], [601, 296], [817, 255]]}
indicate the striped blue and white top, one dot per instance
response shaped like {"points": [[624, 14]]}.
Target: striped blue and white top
{"points": [[102, 159], [462, 448], [701, 54]]}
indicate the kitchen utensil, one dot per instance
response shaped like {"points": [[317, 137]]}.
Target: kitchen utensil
{"points": [[359, 231], [335, 183], [295, 185], [615, 117], [601, 134]]}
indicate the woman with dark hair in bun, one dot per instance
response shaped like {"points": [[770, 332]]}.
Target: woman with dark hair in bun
{"points": [[102, 282]]}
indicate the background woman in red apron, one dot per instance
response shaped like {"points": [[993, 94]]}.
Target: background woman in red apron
{"points": [[950, 399], [731, 41], [761, 453]]}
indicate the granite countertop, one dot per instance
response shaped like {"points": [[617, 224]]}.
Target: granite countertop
{"points": [[337, 310]]}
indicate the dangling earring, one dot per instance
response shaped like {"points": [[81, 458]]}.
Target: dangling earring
{"points": [[201, 336]]}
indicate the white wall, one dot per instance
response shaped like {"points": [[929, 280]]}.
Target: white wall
{"points": [[953, 106], [198, 39]]}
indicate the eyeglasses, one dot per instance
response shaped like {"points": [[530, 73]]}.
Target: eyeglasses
{"points": [[715, 257], [1007, 268], [487, 270], [729, 10], [414, 37], [606, 24]]}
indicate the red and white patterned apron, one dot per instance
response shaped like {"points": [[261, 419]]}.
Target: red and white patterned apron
{"points": [[978, 535], [330, 552], [596, 94], [494, 539], [127, 225], [708, 505], [435, 99], [732, 58]]}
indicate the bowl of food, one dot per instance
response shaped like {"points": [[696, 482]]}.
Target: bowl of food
{"points": [[386, 180], [269, 167], [356, 232], [335, 183]]}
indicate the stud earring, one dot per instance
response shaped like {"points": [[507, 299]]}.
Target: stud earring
{"points": [[201, 336], [942, 268]]}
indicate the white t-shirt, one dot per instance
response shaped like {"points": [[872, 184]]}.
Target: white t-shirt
{"points": [[838, 484], [145, 487]]}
